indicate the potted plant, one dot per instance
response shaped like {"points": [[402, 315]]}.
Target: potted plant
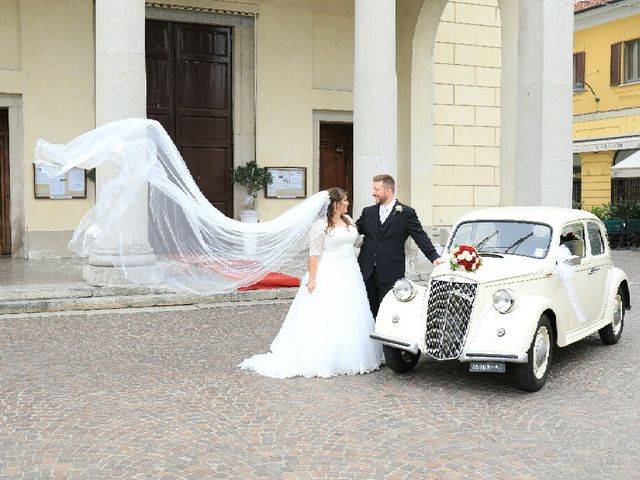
{"points": [[254, 179]]}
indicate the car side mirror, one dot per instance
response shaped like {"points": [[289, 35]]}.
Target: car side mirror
{"points": [[573, 260]]}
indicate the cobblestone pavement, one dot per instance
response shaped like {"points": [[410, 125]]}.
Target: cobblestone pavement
{"points": [[157, 394]]}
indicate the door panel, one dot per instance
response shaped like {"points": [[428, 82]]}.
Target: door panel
{"points": [[195, 61], [5, 216], [336, 157], [160, 75], [574, 238], [601, 266]]}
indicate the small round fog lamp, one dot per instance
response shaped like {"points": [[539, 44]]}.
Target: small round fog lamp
{"points": [[404, 290], [503, 301]]}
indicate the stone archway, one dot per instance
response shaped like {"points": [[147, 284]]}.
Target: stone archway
{"points": [[421, 143], [455, 109]]}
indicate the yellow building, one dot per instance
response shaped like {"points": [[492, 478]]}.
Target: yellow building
{"points": [[606, 99]]}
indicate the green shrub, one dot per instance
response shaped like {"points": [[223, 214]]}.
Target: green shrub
{"points": [[625, 209], [618, 211], [603, 212], [251, 176]]}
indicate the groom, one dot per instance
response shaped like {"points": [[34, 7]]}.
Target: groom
{"points": [[386, 227]]}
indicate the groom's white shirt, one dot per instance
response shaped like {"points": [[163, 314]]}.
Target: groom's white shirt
{"points": [[385, 209]]}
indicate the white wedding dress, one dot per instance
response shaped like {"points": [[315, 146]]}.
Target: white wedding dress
{"points": [[326, 332]]}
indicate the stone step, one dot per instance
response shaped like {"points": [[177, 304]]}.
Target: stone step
{"points": [[69, 297]]}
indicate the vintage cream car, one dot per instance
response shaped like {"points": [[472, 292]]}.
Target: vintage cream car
{"points": [[546, 279]]}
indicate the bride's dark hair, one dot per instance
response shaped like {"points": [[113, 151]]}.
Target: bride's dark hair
{"points": [[336, 194]]}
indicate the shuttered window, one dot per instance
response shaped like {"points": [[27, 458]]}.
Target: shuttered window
{"points": [[632, 61], [615, 64], [578, 71]]}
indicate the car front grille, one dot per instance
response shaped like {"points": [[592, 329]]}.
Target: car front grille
{"points": [[448, 314]]}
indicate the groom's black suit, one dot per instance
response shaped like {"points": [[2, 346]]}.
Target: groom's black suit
{"points": [[382, 258]]}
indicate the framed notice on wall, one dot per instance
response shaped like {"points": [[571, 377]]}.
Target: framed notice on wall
{"points": [[288, 182], [72, 184]]}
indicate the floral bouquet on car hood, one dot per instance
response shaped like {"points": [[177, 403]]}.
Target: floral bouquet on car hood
{"points": [[465, 256]]}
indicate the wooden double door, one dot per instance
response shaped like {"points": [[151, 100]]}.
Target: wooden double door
{"points": [[336, 157], [189, 92], [5, 212]]}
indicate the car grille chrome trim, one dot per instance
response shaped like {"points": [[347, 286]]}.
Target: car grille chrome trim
{"points": [[449, 308]]}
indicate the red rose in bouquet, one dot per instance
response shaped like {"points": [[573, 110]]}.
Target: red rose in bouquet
{"points": [[465, 256]]}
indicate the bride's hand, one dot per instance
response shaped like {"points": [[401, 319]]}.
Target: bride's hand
{"points": [[311, 286]]}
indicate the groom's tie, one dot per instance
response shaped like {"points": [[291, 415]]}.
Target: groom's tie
{"points": [[384, 213]]}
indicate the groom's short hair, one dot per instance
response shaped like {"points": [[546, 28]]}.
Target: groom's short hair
{"points": [[387, 181]]}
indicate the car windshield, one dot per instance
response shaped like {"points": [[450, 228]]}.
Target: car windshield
{"points": [[504, 237]]}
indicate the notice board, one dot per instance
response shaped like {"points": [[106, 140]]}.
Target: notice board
{"points": [[73, 184]]}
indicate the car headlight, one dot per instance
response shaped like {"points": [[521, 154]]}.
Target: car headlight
{"points": [[503, 301], [404, 290]]}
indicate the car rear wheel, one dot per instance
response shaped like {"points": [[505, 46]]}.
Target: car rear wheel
{"points": [[400, 361], [533, 374], [612, 332]]}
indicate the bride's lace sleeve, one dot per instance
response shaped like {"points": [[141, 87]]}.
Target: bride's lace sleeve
{"points": [[316, 237]]}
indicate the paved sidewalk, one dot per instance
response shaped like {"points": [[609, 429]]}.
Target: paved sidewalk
{"points": [[157, 393]]}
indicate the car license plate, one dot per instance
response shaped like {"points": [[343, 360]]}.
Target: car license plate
{"points": [[487, 367]]}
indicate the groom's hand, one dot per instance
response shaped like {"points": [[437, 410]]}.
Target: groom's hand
{"points": [[438, 261]]}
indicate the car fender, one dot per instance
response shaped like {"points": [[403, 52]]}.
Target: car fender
{"points": [[506, 333], [403, 320], [617, 277]]}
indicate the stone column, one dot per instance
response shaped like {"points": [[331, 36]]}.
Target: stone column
{"points": [[543, 166], [121, 93], [375, 100]]}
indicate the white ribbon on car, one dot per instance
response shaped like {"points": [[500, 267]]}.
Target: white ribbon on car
{"points": [[565, 272]]}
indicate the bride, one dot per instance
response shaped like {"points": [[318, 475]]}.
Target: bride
{"points": [[326, 331]]}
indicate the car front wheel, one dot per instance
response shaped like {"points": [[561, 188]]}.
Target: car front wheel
{"points": [[612, 332], [533, 374], [400, 361]]}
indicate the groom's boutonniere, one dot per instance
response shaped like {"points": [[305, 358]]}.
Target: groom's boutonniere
{"points": [[397, 209]]}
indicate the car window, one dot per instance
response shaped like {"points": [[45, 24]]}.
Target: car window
{"points": [[595, 239], [504, 237], [477, 232], [572, 237]]}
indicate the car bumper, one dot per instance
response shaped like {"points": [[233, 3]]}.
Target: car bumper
{"points": [[395, 342], [494, 357], [465, 357]]}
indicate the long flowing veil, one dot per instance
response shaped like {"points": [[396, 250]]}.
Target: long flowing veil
{"points": [[198, 248]]}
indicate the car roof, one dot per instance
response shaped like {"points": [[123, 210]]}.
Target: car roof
{"points": [[548, 215]]}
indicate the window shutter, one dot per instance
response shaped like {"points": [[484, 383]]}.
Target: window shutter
{"points": [[616, 49], [579, 80]]}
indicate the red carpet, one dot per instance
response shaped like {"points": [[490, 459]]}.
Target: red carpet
{"points": [[274, 280]]}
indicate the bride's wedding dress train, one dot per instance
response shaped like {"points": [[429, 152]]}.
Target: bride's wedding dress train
{"points": [[326, 332]]}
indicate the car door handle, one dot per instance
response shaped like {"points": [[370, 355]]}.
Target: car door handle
{"points": [[593, 270]]}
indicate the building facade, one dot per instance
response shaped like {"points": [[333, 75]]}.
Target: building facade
{"points": [[606, 99], [448, 96]]}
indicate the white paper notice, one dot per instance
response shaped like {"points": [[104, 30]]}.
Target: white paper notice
{"points": [[41, 177], [76, 180], [281, 182], [295, 180], [56, 187]]}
